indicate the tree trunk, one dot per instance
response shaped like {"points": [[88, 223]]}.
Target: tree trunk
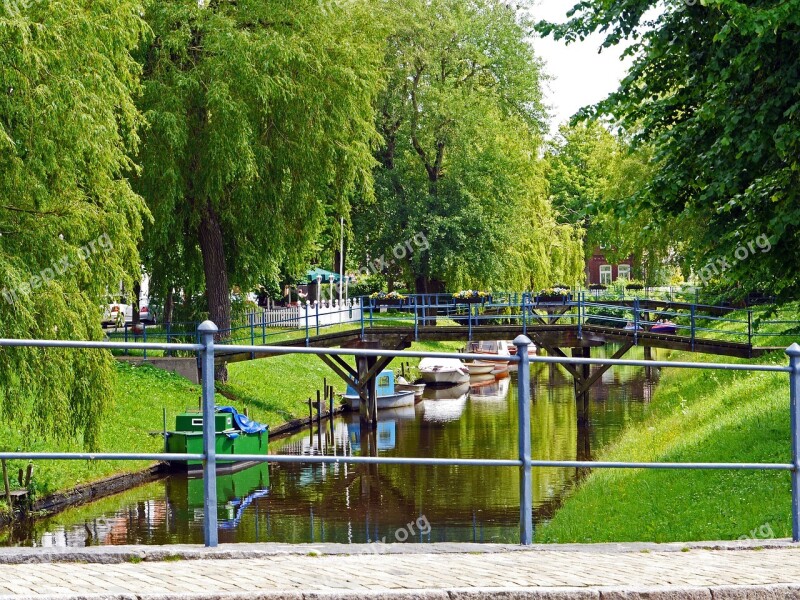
{"points": [[425, 285], [135, 321], [218, 295], [169, 305]]}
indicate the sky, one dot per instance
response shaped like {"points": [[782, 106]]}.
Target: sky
{"points": [[580, 76]]}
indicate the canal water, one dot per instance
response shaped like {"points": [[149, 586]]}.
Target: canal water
{"points": [[387, 503]]}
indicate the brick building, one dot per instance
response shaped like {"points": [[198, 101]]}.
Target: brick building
{"points": [[601, 270]]}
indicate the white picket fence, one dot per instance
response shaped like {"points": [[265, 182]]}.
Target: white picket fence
{"points": [[294, 317]]}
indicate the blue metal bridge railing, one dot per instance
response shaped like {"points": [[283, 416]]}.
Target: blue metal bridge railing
{"points": [[206, 349]]}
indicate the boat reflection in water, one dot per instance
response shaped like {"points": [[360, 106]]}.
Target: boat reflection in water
{"points": [[343, 503]]}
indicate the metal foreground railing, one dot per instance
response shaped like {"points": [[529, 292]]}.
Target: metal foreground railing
{"points": [[525, 463]]}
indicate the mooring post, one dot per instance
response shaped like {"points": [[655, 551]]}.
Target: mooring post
{"points": [[524, 409], [207, 330], [693, 324], [316, 304], [750, 329], [469, 321], [794, 406], [636, 322]]}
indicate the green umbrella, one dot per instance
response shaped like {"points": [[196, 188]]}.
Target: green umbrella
{"points": [[324, 275]]}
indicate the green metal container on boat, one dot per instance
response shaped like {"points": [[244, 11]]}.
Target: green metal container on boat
{"points": [[229, 440]]}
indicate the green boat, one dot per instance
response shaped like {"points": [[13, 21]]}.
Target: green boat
{"points": [[236, 434]]}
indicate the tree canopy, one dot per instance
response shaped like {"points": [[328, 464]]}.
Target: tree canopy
{"points": [[260, 116], [714, 91], [69, 222], [461, 120]]}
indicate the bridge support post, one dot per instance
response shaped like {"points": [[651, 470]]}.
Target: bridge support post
{"points": [[368, 408], [794, 405], [581, 394]]}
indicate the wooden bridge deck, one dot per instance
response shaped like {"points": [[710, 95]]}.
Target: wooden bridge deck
{"points": [[558, 335]]}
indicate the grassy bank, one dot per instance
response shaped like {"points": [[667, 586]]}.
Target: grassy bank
{"points": [[141, 394], [696, 416]]}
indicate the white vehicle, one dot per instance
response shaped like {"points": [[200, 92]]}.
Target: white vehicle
{"points": [[117, 314]]}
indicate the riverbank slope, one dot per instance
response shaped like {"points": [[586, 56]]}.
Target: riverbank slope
{"points": [[695, 416]]}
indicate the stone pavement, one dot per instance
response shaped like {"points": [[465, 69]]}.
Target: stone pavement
{"points": [[404, 571]]}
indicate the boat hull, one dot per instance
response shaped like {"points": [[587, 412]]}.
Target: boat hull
{"points": [[444, 377], [397, 400], [480, 368]]}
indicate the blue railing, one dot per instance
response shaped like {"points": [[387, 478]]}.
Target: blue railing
{"points": [[525, 462], [693, 322]]}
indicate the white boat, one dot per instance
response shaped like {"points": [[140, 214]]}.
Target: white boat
{"points": [[477, 367], [401, 385], [388, 396], [500, 348], [443, 370]]}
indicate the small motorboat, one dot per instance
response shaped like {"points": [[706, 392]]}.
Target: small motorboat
{"points": [[500, 348], [388, 396], [482, 378], [667, 327], [631, 327], [512, 349], [443, 371], [401, 385], [478, 367]]}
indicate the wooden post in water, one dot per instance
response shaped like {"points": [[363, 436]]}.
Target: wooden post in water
{"points": [[582, 397]]}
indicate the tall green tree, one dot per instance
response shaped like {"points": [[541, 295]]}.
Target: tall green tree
{"points": [[714, 90], [593, 175], [461, 120], [69, 222], [260, 115]]}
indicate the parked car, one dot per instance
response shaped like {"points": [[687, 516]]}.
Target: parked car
{"points": [[118, 314]]}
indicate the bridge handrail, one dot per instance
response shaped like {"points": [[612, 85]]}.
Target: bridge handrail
{"points": [[418, 310], [207, 348]]}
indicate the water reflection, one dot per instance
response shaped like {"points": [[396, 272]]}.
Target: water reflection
{"points": [[366, 503]]}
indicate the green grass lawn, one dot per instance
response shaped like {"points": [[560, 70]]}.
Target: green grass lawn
{"points": [[696, 416], [141, 394]]}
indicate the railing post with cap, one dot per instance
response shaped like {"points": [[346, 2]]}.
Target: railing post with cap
{"points": [[524, 410], [207, 330], [794, 406]]}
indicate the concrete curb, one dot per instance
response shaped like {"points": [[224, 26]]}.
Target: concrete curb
{"points": [[745, 592], [122, 554]]}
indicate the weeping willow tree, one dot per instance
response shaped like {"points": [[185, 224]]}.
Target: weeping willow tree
{"points": [[462, 123], [69, 222], [260, 118]]}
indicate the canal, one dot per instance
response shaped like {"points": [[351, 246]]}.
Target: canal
{"points": [[387, 503]]}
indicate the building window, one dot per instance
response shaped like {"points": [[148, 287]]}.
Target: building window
{"points": [[605, 274], [624, 272]]}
